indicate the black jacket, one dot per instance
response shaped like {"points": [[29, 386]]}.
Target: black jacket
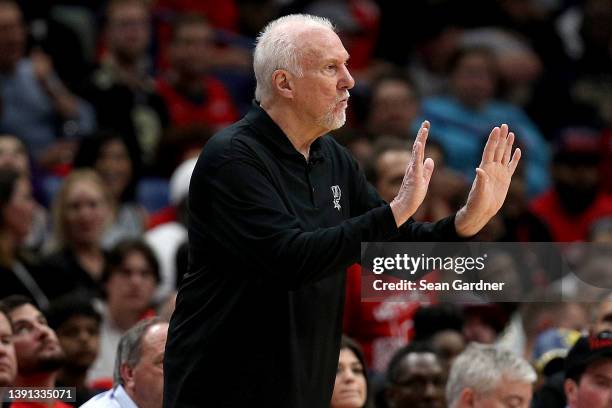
{"points": [[258, 316]]}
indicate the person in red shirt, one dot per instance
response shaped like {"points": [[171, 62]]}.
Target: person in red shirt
{"points": [[577, 198], [192, 96], [39, 355]]}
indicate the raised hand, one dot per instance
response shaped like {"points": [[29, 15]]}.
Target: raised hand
{"points": [[416, 180], [491, 184]]}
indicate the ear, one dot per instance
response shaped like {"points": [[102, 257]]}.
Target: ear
{"points": [[282, 81], [571, 389], [466, 398], [127, 374]]}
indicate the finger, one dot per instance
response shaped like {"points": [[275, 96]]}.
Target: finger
{"points": [[508, 149], [489, 151], [422, 143], [515, 160], [501, 144], [428, 168]]}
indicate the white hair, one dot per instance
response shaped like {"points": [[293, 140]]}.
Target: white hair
{"points": [[277, 48], [482, 368]]}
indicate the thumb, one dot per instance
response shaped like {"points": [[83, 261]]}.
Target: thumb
{"points": [[428, 168]]}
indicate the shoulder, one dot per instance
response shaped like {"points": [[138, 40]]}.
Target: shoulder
{"points": [[104, 399]]}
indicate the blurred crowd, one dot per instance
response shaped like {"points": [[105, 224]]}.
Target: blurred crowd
{"points": [[105, 106]]}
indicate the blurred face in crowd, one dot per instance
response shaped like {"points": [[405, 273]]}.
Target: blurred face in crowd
{"points": [[19, 211], [87, 212], [350, 389], [508, 394], [191, 49], [321, 93], [114, 165], [36, 344], [594, 390], [390, 170], [448, 345], [131, 285], [128, 30], [576, 184], [473, 79], [13, 154], [420, 383], [144, 382], [8, 361], [79, 337], [603, 318], [12, 36], [393, 108]]}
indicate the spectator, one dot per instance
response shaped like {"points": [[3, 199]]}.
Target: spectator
{"points": [[415, 378], [120, 88], [462, 118], [129, 281], [81, 212], [601, 231], [8, 361], [16, 209], [108, 155], [192, 95], [77, 325], [351, 388], [394, 104], [36, 106], [138, 374], [588, 372], [166, 239], [14, 155], [485, 376], [576, 198], [39, 355]]}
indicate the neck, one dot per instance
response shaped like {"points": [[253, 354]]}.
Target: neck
{"points": [[123, 319], [71, 376], [187, 83], [300, 134], [87, 249], [37, 380]]}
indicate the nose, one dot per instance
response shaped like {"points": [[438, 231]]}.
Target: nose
{"points": [[347, 81]]}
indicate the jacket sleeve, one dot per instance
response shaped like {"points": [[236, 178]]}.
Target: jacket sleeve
{"points": [[242, 209]]}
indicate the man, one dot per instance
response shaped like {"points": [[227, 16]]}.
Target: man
{"points": [[588, 372], [277, 213], [39, 355], [77, 325], [488, 376], [8, 361], [121, 90], [138, 375], [603, 315], [415, 378], [34, 100], [191, 95]]}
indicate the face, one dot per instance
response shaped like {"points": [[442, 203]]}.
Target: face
{"points": [[390, 168], [594, 389], [394, 106], [8, 361], [13, 155], [19, 212], [128, 31], [321, 94], [145, 382], [79, 337], [12, 37], [420, 383], [448, 344], [603, 320], [36, 344], [510, 394], [87, 212], [191, 49], [132, 284], [473, 81], [350, 389], [115, 167]]}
